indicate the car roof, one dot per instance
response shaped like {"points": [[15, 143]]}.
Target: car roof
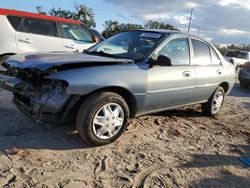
{"points": [[37, 16], [168, 32], [161, 31]]}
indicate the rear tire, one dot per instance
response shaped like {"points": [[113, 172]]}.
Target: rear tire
{"points": [[102, 118], [215, 102]]}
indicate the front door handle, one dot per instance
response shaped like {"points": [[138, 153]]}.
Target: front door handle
{"points": [[187, 74], [72, 47]]}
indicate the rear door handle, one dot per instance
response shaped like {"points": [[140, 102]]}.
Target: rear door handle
{"points": [[26, 40], [187, 74], [219, 72]]}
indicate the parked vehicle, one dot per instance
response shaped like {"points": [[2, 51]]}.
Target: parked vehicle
{"points": [[23, 32], [97, 34], [127, 75], [237, 58], [244, 76]]}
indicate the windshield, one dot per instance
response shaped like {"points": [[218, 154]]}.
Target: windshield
{"points": [[130, 45], [237, 54]]}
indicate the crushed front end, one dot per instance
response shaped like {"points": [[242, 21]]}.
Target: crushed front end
{"points": [[42, 99]]}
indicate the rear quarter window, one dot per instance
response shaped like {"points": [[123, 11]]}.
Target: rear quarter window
{"points": [[215, 58], [76, 32], [14, 21]]}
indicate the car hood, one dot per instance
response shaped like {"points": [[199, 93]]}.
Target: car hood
{"points": [[63, 61]]}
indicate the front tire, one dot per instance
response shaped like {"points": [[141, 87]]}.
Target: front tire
{"points": [[215, 102], [102, 118]]}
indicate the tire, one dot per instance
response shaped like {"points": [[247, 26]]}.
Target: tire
{"points": [[243, 85], [237, 71], [91, 108], [209, 107]]}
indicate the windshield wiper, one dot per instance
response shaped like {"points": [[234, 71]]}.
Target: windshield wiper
{"points": [[100, 53]]}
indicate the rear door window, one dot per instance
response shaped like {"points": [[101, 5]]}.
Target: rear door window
{"points": [[76, 32], [202, 54], [14, 21], [40, 27]]}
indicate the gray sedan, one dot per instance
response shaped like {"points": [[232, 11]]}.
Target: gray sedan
{"points": [[128, 75]]}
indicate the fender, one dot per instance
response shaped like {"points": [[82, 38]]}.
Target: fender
{"points": [[82, 81]]}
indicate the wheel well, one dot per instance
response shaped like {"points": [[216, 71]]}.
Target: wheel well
{"points": [[7, 54], [124, 93], [225, 86], [3, 55]]}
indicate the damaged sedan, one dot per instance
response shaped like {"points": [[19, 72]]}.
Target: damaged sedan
{"points": [[128, 75]]}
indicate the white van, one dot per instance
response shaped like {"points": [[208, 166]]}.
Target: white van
{"points": [[22, 32]]}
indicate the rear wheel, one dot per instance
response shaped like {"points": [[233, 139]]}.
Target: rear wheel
{"points": [[102, 118], [215, 102]]}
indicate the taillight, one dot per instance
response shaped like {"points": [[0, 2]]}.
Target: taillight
{"points": [[95, 39]]}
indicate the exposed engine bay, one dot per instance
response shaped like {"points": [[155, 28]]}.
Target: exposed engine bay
{"points": [[36, 94]]}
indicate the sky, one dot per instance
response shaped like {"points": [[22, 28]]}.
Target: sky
{"points": [[220, 21]]}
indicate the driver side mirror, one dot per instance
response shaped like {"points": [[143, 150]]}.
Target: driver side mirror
{"points": [[161, 60]]}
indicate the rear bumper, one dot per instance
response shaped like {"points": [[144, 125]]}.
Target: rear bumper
{"points": [[244, 75]]}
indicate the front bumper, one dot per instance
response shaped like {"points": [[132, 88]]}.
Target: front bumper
{"points": [[45, 118], [44, 105], [10, 83]]}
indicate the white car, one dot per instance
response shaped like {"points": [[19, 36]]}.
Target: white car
{"points": [[237, 58], [23, 32]]}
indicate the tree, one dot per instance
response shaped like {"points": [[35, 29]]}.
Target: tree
{"points": [[222, 49], [113, 27], [81, 13], [40, 10], [158, 25]]}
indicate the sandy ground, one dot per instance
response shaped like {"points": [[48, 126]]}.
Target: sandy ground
{"points": [[178, 148]]}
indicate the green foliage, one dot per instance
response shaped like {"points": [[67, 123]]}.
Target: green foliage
{"points": [[81, 13], [158, 25], [113, 27]]}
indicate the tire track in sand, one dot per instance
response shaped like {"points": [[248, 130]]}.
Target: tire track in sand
{"points": [[6, 163], [142, 176]]}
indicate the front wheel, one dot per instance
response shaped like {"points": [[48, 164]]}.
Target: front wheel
{"points": [[215, 102], [102, 118]]}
